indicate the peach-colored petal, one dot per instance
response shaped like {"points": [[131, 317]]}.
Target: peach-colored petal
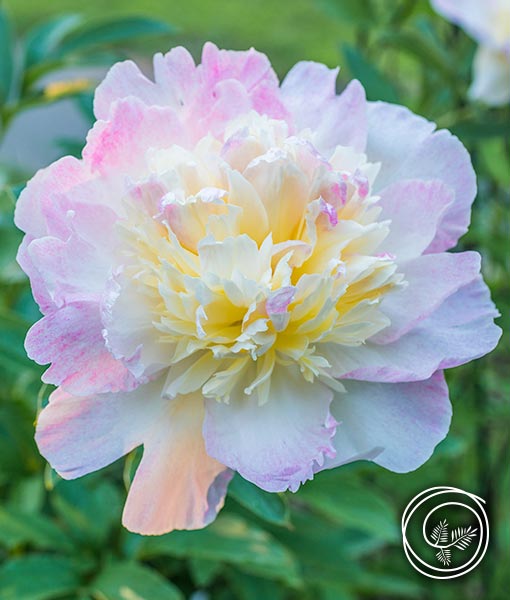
{"points": [[177, 485], [78, 435]]}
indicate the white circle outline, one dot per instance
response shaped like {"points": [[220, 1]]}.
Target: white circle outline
{"points": [[484, 530]]}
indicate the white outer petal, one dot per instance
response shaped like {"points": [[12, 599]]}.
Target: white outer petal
{"points": [[491, 81]]}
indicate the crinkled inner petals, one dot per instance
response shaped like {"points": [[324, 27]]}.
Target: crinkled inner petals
{"points": [[244, 253]]}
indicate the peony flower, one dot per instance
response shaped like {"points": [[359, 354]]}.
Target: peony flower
{"points": [[242, 276], [488, 22]]}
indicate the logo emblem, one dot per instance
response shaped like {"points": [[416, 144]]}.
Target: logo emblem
{"points": [[445, 532]]}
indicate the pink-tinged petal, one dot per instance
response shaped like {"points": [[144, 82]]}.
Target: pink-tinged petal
{"points": [[394, 133], [125, 79], [277, 304], [71, 340], [415, 208], [65, 277], [431, 279], [442, 156], [277, 445], [330, 211], [408, 149], [39, 290], [251, 69], [460, 330], [121, 143], [176, 83], [307, 86], [397, 425], [58, 178], [86, 211], [344, 121], [177, 485], [228, 101], [278, 301], [76, 229], [310, 96], [226, 85], [468, 315], [78, 435], [175, 74]]}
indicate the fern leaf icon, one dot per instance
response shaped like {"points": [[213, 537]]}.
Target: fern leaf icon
{"points": [[440, 533], [463, 536], [444, 556]]}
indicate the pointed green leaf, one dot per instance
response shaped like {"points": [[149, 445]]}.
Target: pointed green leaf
{"points": [[44, 39], [376, 84], [230, 540], [126, 581], [89, 508], [204, 572], [428, 53], [38, 577], [270, 507], [113, 32], [344, 500], [17, 528]]}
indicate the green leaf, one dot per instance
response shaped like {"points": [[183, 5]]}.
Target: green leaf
{"points": [[204, 572], [477, 129], [12, 351], [496, 159], [334, 592], [38, 577], [230, 540], [89, 508], [132, 581], [113, 32], [248, 587], [377, 86], [28, 494], [389, 585], [270, 507], [44, 39], [17, 528], [429, 54], [327, 552], [17, 447], [6, 56], [345, 501]]}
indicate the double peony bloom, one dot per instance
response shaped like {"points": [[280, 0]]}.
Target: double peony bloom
{"points": [[488, 22], [242, 276]]}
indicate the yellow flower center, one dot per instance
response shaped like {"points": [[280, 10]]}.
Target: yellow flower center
{"points": [[255, 251]]}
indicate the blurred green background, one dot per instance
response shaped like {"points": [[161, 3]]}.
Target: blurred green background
{"points": [[339, 537]]}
